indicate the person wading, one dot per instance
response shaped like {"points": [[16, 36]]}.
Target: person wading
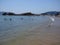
{"points": [[51, 22]]}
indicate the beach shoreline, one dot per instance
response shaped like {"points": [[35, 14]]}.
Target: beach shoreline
{"points": [[39, 35]]}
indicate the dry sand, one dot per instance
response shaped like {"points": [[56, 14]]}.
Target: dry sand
{"points": [[40, 35]]}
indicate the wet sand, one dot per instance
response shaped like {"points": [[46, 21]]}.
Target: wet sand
{"points": [[40, 35]]}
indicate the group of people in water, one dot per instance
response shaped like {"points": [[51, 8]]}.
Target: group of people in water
{"points": [[6, 19], [11, 19], [51, 21]]}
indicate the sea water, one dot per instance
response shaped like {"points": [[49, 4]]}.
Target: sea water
{"points": [[12, 26]]}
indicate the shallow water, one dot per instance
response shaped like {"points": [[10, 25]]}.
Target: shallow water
{"points": [[13, 25], [14, 29]]}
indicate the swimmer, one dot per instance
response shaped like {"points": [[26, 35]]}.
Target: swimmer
{"points": [[10, 19]]}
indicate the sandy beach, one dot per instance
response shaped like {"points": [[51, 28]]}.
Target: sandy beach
{"points": [[39, 35]]}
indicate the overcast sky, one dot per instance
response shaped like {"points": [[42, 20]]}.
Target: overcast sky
{"points": [[34, 6]]}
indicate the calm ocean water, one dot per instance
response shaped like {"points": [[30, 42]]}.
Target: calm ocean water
{"points": [[12, 26], [13, 29]]}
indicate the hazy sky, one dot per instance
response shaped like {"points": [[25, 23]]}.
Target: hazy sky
{"points": [[35, 6]]}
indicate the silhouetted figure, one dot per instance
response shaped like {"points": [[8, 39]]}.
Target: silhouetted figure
{"points": [[10, 19], [21, 18]]}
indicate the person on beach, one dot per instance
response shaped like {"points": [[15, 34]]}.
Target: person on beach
{"points": [[52, 21]]}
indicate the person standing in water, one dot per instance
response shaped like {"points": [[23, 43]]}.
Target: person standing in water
{"points": [[10, 19], [52, 21]]}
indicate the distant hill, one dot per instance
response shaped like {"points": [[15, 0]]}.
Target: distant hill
{"points": [[27, 13], [22, 14], [8, 13], [1, 13], [55, 13], [51, 13]]}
